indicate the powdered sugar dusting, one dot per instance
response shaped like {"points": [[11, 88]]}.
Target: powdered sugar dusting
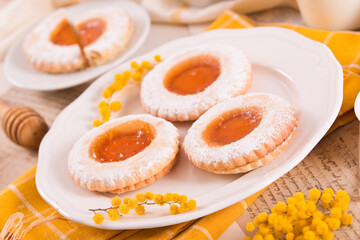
{"points": [[278, 120], [115, 175], [235, 79], [39, 48]]}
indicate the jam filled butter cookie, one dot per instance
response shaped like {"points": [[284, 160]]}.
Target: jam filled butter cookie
{"points": [[124, 154], [187, 84], [241, 134], [97, 36]]}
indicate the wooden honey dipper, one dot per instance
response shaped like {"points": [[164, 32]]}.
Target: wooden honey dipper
{"points": [[23, 125]]}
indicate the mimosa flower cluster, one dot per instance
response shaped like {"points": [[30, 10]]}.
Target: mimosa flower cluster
{"points": [[137, 72], [177, 204], [301, 219]]}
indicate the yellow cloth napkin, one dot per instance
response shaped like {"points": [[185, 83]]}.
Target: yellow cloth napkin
{"points": [[344, 45], [22, 196]]}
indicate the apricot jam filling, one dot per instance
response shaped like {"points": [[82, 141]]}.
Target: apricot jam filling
{"points": [[90, 30], [193, 75], [231, 126], [122, 141], [64, 35]]}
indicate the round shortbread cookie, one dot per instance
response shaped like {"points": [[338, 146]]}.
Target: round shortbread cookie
{"points": [[268, 124], [232, 76], [90, 170]]}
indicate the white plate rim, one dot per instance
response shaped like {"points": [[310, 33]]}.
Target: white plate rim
{"points": [[266, 180], [357, 106], [60, 81]]}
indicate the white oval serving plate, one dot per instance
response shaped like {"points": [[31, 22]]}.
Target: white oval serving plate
{"points": [[301, 71], [21, 73]]}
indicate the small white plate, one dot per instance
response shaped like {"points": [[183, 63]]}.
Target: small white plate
{"points": [[21, 73], [301, 71]]}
